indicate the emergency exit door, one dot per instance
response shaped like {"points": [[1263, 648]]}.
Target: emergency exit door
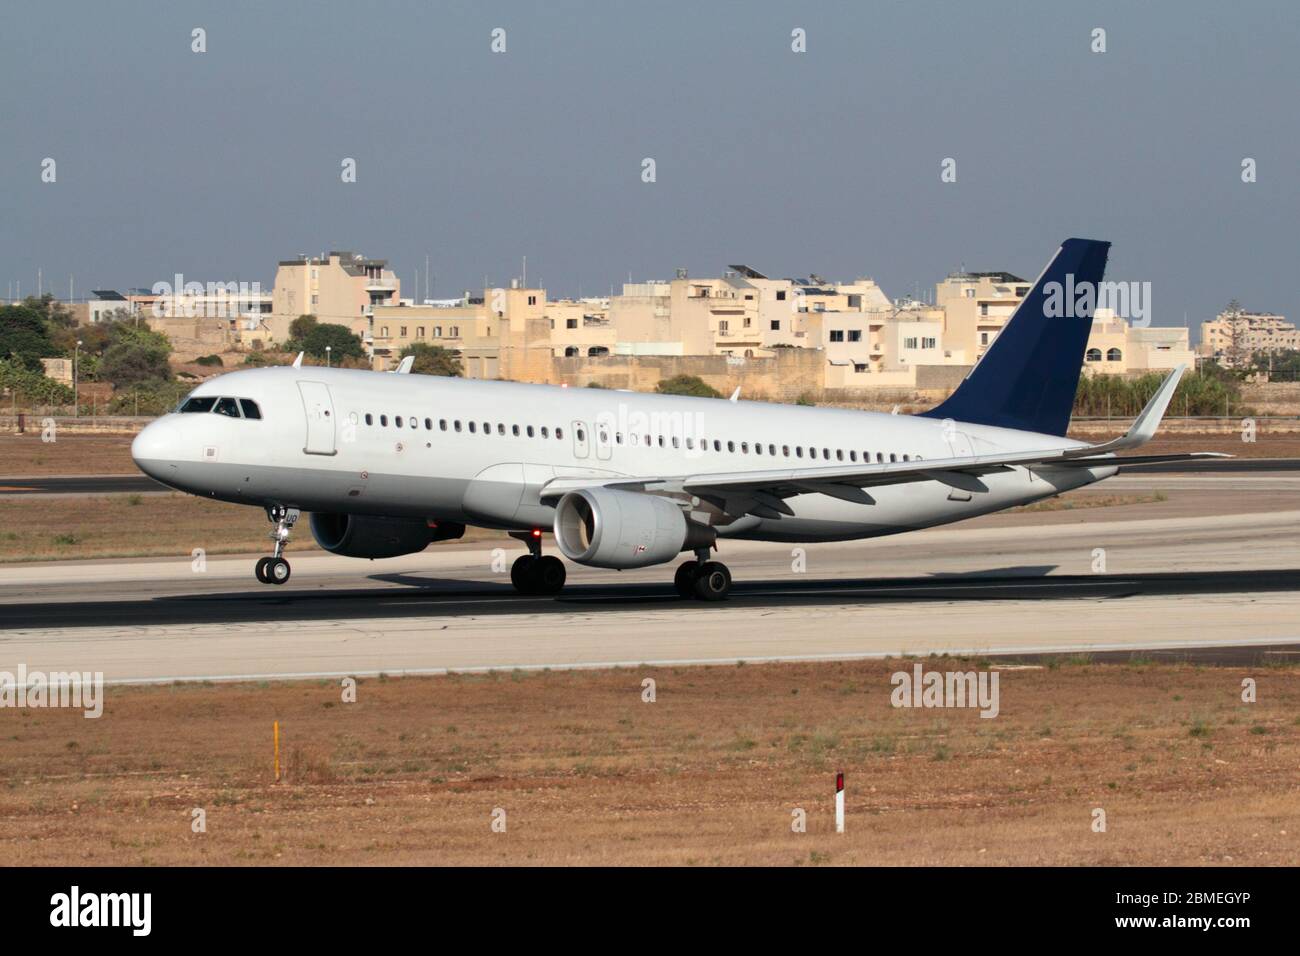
{"points": [[319, 408]]}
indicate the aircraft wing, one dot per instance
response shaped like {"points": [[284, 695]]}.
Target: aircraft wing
{"points": [[763, 491]]}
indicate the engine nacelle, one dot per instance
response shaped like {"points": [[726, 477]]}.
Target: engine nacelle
{"points": [[376, 536], [606, 528]]}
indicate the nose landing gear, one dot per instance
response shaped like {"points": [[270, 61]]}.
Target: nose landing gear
{"points": [[534, 574], [275, 569]]}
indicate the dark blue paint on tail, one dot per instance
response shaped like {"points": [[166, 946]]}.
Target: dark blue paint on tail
{"points": [[1028, 376]]}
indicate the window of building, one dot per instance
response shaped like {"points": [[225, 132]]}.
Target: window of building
{"points": [[909, 342], [419, 331], [837, 335], [383, 331], [1114, 355], [532, 300], [1093, 355], [859, 366], [776, 325], [780, 295], [403, 332], [570, 323], [984, 308], [855, 335]]}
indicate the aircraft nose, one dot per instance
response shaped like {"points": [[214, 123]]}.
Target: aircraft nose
{"points": [[151, 448]]}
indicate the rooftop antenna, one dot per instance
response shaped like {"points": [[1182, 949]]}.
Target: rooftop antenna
{"points": [[525, 272]]}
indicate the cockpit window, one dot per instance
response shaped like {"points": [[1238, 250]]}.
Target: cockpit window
{"points": [[250, 408], [203, 404], [227, 406]]}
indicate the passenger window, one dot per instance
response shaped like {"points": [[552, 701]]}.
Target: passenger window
{"points": [[893, 457], [428, 424], [487, 428], [514, 430], [785, 450], [771, 450], [397, 420], [370, 419], [250, 408], [228, 407], [501, 429], [744, 448], [559, 433], [383, 420], [758, 448], [853, 455], [812, 452], [839, 454], [545, 432], [415, 422], [717, 444], [457, 424], [798, 451], [530, 431], [473, 428], [581, 435], [690, 443], [202, 405], [675, 445], [442, 424]]}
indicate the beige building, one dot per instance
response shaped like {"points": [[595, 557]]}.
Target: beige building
{"points": [[504, 333], [341, 288], [976, 305], [1235, 335], [1117, 348]]}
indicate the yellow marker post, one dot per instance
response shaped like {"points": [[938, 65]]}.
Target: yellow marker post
{"points": [[277, 751]]}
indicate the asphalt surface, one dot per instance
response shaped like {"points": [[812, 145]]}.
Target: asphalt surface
{"points": [[419, 597]]}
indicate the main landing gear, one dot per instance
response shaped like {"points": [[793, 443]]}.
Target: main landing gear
{"points": [[533, 573], [275, 569], [702, 579]]}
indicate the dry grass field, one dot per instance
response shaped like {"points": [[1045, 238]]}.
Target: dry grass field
{"points": [[709, 773]]}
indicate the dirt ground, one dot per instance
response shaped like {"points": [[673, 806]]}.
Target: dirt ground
{"points": [[711, 772]]}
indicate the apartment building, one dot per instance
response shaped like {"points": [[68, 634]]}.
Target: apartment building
{"points": [[1117, 348], [1236, 334], [338, 287]]}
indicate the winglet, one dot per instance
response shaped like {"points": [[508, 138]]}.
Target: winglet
{"points": [[735, 395], [1144, 426], [404, 366], [297, 363]]}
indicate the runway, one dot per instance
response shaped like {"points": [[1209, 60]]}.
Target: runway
{"points": [[1065, 582]]}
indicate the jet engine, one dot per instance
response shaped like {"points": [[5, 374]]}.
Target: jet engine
{"points": [[607, 528], [377, 536]]}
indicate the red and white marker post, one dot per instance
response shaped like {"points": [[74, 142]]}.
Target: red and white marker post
{"points": [[839, 802]]}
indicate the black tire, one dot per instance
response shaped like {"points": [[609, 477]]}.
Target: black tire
{"points": [[684, 579], [523, 574], [549, 575], [713, 582], [277, 570], [260, 570]]}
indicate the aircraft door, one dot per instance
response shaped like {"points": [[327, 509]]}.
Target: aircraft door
{"points": [[581, 440], [319, 408]]}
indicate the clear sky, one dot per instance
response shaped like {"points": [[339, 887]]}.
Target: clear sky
{"points": [[218, 164]]}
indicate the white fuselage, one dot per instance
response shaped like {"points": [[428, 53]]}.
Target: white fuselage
{"points": [[481, 452]]}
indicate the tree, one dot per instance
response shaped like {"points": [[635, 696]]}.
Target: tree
{"points": [[433, 360], [300, 327], [691, 385], [136, 355], [337, 338], [24, 335]]}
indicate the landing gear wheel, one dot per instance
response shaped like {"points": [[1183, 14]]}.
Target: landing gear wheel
{"points": [[277, 570], [712, 581], [260, 570], [548, 575], [684, 579], [522, 573]]}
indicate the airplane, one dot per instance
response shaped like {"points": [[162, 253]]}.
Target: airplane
{"points": [[387, 464]]}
